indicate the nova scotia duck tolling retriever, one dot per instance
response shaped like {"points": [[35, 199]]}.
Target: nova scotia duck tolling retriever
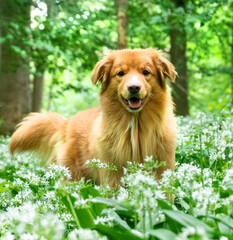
{"points": [[135, 119]]}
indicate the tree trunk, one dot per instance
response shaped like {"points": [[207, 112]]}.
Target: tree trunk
{"points": [[40, 62], [122, 19], [232, 64], [0, 43], [178, 58], [14, 70], [37, 93]]}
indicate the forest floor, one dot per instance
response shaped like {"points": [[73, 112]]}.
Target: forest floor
{"points": [[35, 202]]}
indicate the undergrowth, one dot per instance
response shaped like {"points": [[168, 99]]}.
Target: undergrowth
{"points": [[36, 202]]}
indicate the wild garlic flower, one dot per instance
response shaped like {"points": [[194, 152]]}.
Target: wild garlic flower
{"points": [[96, 163], [85, 234], [192, 233]]}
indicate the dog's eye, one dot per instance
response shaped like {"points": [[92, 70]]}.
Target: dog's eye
{"points": [[145, 72], [121, 73]]}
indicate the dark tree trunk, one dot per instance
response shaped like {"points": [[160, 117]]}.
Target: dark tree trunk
{"points": [[122, 19], [14, 72], [0, 43], [178, 58], [37, 93]]}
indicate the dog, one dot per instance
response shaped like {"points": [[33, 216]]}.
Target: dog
{"points": [[135, 119]]}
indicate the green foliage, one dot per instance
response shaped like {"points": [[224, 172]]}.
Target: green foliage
{"points": [[206, 140], [71, 36], [36, 202]]}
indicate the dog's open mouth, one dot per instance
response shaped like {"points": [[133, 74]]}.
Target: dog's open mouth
{"points": [[134, 103]]}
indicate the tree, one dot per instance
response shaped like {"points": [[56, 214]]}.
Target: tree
{"points": [[232, 64], [122, 18], [178, 58], [15, 99], [40, 56], [65, 42]]}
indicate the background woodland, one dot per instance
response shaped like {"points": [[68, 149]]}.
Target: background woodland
{"points": [[49, 48]]}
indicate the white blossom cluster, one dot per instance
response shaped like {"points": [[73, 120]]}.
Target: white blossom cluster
{"points": [[96, 163], [192, 233], [191, 183], [85, 234], [208, 136], [26, 223], [142, 191], [30, 194]]}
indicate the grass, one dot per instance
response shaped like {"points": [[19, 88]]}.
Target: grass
{"points": [[35, 203]]}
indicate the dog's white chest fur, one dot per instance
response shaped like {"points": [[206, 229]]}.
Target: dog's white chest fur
{"points": [[133, 130], [131, 127]]}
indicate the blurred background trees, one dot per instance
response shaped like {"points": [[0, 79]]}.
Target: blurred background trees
{"points": [[48, 49]]}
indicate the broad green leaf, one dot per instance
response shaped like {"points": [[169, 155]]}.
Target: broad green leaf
{"points": [[114, 234], [164, 204], [88, 191], [185, 219], [225, 223], [82, 216], [184, 204], [85, 217], [115, 204], [163, 234], [227, 220], [117, 219]]}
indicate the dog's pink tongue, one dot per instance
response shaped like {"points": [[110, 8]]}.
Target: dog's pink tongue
{"points": [[135, 104]]}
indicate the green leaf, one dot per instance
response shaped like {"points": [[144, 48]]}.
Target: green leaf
{"points": [[82, 216], [114, 203], [5, 186], [228, 221], [85, 217], [164, 204], [88, 191], [117, 219], [123, 211], [163, 234], [185, 219], [114, 234], [184, 204], [225, 224], [34, 188]]}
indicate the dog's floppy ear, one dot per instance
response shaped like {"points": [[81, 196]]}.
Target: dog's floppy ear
{"points": [[164, 67], [102, 70]]}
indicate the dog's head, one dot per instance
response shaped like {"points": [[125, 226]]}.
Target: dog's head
{"points": [[133, 77]]}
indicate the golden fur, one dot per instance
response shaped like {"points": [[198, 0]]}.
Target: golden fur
{"points": [[120, 130]]}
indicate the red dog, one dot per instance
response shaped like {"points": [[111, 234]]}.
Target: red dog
{"points": [[135, 119]]}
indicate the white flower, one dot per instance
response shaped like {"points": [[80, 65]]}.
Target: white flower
{"points": [[148, 158], [81, 202], [28, 236], [103, 220], [85, 234], [25, 213], [8, 236], [223, 238], [197, 233], [123, 194], [206, 199]]}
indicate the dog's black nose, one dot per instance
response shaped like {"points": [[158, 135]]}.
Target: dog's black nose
{"points": [[135, 88]]}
